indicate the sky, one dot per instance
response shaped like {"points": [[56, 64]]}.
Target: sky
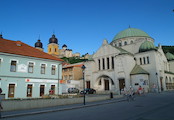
{"points": [[83, 24]]}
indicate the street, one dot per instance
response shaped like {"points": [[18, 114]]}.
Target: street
{"points": [[152, 106]]}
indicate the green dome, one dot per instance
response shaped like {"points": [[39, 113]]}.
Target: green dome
{"points": [[146, 46], [169, 56], [130, 32]]}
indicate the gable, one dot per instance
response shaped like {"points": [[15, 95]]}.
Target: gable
{"points": [[106, 50]]}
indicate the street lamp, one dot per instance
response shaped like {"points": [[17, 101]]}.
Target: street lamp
{"points": [[83, 70], [157, 82]]}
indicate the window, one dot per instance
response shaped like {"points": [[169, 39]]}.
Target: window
{"points": [[43, 68], [70, 77], [0, 61], [99, 64], [53, 70], [125, 43], [148, 62], [29, 90], [140, 61], [50, 50], [70, 69], [65, 70], [65, 77], [144, 59], [103, 60], [13, 66], [55, 50], [30, 67], [120, 44], [112, 62], [108, 63], [131, 42]]}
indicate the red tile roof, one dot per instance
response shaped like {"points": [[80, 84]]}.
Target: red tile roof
{"points": [[72, 65], [20, 48]]}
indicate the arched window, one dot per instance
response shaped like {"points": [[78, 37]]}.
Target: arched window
{"points": [[148, 62], [140, 61], [131, 42], [125, 43], [120, 44], [55, 50]]}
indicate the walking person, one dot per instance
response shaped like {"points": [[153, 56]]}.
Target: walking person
{"points": [[131, 94], [140, 90], [0, 103]]}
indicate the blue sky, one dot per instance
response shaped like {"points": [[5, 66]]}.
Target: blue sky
{"points": [[83, 24]]}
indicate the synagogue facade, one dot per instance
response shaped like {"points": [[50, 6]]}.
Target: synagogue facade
{"points": [[131, 59]]}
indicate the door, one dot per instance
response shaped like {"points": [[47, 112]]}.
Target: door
{"points": [[11, 90], [106, 84], [53, 89], [161, 82], [88, 84], [121, 84], [29, 90], [42, 89]]}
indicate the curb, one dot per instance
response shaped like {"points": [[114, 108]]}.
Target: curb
{"points": [[63, 109]]}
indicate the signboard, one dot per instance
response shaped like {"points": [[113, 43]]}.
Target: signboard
{"points": [[41, 81], [22, 68]]}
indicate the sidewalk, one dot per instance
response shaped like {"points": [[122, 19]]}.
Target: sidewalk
{"points": [[9, 114]]}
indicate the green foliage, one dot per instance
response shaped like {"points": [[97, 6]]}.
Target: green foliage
{"points": [[73, 60], [168, 49]]}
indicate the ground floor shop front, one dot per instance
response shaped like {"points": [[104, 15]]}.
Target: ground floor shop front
{"points": [[28, 88]]}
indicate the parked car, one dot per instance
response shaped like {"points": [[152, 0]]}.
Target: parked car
{"points": [[73, 90], [88, 91]]}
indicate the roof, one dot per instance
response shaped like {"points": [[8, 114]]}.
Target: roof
{"points": [[169, 72], [147, 46], [138, 70], [72, 65], [169, 56], [20, 48], [130, 32], [123, 51]]}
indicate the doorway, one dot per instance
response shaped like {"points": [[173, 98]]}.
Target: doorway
{"points": [[88, 84], [29, 90], [53, 89], [121, 84], [106, 84], [42, 89], [11, 90]]}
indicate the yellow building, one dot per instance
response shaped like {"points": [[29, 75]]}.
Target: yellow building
{"points": [[53, 46]]}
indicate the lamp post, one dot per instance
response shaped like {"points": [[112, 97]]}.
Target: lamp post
{"points": [[157, 82], [58, 85], [83, 70]]}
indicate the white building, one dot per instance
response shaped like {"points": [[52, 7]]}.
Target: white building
{"points": [[131, 59]]}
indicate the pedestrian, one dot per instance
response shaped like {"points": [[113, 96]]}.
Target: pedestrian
{"points": [[131, 93], [140, 90], [154, 88], [0, 102]]}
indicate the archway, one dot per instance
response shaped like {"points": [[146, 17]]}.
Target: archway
{"points": [[104, 83]]}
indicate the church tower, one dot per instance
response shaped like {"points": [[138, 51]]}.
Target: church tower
{"points": [[38, 45], [53, 46]]}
